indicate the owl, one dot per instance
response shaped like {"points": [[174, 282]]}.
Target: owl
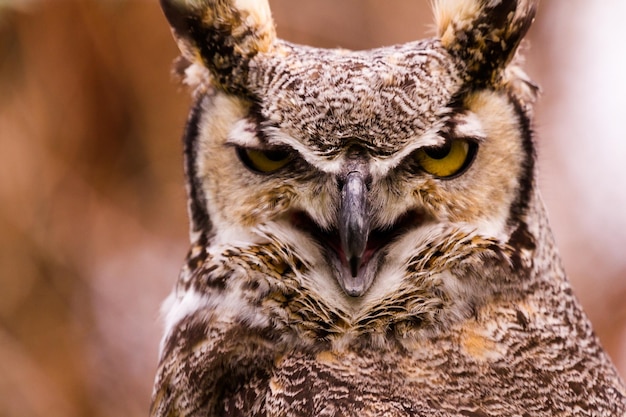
{"points": [[367, 237]]}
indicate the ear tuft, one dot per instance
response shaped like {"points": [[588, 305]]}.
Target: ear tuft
{"points": [[449, 13], [222, 35], [484, 34]]}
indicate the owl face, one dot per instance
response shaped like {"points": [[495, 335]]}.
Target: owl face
{"points": [[366, 234], [351, 158]]}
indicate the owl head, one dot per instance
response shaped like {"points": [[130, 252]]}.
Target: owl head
{"points": [[357, 161]]}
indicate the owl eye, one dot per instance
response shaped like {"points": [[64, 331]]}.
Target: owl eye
{"points": [[264, 161], [449, 159]]}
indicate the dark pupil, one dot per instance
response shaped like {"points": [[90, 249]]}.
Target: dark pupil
{"points": [[439, 152], [275, 156]]}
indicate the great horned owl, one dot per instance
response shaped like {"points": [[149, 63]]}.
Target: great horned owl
{"points": [[367, 234]]}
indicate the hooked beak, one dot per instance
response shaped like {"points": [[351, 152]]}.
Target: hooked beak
{"points": [[354, 229], [354, 250]]}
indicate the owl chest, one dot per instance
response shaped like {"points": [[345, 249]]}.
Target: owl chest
{"points": [[361, 384], [394, 382], [348, 384], [273, 350], [507, 362]]}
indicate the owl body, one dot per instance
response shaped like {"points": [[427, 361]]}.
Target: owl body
{"points": [[367, 237]]}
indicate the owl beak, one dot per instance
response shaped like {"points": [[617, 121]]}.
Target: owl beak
{"points": [[354, 229]]}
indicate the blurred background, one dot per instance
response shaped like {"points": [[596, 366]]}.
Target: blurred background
{"points": [[93, 225]]}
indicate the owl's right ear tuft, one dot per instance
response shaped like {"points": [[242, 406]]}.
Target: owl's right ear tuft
{"points": [[484, 34], [222, 35]]}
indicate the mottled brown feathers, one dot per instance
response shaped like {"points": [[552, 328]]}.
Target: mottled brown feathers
{"points": [[223, 35], [465, 310], [483, 33]]}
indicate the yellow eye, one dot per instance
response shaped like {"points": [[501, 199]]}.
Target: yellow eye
{"points": [[264, 161], [449, 159]]}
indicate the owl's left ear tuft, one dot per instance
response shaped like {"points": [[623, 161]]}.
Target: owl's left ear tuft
{"points": [[483, 34], [222, 35]]}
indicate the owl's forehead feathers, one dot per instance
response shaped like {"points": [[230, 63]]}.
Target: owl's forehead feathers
{"points": [[323, 99], [378, 99]]}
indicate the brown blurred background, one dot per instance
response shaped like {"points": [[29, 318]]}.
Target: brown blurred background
{"points": [[93, 224]]}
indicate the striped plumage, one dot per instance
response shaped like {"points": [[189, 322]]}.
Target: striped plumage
{"points": [[367, 237]]}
